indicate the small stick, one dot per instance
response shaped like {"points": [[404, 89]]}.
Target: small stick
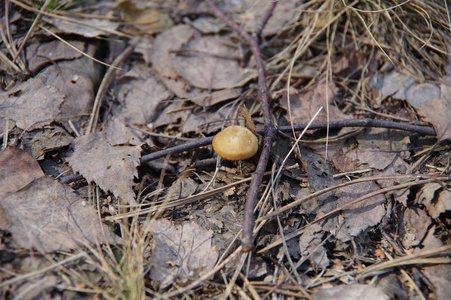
{"points": [[424, 130], [269, 130]]}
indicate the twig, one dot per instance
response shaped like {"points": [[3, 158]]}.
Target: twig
{"points": [[339, 209], [269, 130], [109, 75], [266, 17], [424, 130]]}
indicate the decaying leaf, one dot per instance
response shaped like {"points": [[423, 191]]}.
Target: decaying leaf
{"points": [[358, 217], [18, 170], [48, 216], [414, 226], [250, 12], [42, 54], [41, 213], [31, 104], [141, 93], [210, 62], [43, 140], [302, 107], [310, 244], [436, 198], [436, 112], [350, 292], [200, 97], [96, 28], [111, 167], [165, 44], [181, 252]]}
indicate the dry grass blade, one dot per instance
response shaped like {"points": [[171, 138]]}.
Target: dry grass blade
{"points": [[425, 257], [333, 212], [51, 15]]}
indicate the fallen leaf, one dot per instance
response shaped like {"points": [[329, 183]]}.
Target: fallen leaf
{"points": [[207, 121], [413, 226], [97, 28], [18, 170], [41, 54], [310, 244], [437, 112], [198, 96], [358, 217], [392, 84], [302, 107], [151, 21], [249, 14], [350, 292], [209, 62], [164, 46], [207, 25], [436, 199], [111, 167], [48, 216], [30, 96], [117, 133], [43, 140], [181, 252], [141, 93]]}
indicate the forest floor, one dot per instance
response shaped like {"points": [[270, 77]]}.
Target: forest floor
{"points": [[110, 188]]}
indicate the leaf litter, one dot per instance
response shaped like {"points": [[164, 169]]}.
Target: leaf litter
{"points": [[187, 81]]}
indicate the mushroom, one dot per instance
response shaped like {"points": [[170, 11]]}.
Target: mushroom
{"points": [[235, 143]]}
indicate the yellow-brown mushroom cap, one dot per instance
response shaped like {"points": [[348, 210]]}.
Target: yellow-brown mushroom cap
{"points": [[235, 143]]}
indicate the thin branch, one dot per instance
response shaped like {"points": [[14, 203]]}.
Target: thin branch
{"points": [[423, 130]]}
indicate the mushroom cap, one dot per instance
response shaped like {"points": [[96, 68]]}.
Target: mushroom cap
{"points": [[235, 143]]}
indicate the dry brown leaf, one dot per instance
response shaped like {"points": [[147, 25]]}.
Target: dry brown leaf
{"points": [[173, 113], [18, 170], [249, 14], [202, 98], [414, 226], [303, 107], [358, 217], [350, 292], [181, 252], [111, 167], [41, 54], [437, 112], [438, 275], [151, 21], [43, 140], [207, 25], [76, 79], [436, 199], [207, 122], [31, 104], [48, 216], [98, 27], [141, 93], [310, 245], [392, 84], [164, 46], [63, 91], [117, 133], [210, 62]]}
